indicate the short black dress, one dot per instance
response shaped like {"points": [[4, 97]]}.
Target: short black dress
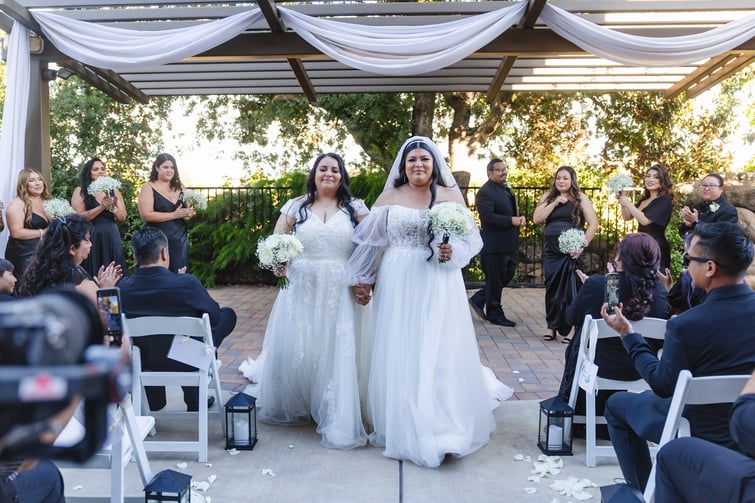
{"points": [[107, 245], [659, 213], [20, 251], [176, 230], [561, 284]]}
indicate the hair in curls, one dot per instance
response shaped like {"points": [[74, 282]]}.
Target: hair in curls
{"points": [[53, 261], [23, 192], [576, 216], [435, 178], [666, 185], [640, 258], [343, 194], [175, 182]]}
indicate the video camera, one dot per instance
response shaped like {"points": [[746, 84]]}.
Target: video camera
{"points": [[51, 353]]}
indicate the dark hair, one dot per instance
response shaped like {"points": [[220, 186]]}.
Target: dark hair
{"points": [[147, 243], [666, 184], [717, 177], [727, 244], [175, 182], [640, 258], [5, 266], [52, 261], [576, 217], [85, 179], [343, 194], [492, 163]]}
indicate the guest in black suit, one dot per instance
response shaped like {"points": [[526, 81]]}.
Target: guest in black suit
{"points": [[153, 290], [7, 280], [499, 216], [714, 208], [696, 471], [713, 338]]}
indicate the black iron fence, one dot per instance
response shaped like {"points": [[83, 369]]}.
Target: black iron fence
{"points": [[256, 209]]}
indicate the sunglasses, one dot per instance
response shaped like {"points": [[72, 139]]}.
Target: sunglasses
{"points": [[702, 260]]}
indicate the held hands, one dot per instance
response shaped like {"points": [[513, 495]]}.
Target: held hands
{"points": [[518, 221], [362, 293], [186, 212], [109, 276], [616, 319], [445, 251], [690, 216], [577, 253], [280, 271]]}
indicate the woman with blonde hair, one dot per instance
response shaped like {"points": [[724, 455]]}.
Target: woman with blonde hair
{"points": [[26, 218]]}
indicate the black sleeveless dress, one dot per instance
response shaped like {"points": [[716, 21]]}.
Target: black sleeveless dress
{"points": [[20, 251], [659, 212], [561, 283], [176, 230], [107, 245]]}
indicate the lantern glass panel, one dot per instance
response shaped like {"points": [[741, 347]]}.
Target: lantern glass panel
{"points": [[241, 422]]}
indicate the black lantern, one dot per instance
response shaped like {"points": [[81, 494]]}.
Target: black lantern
{"points": [[241, 422], [555, 428], [168, 486]]}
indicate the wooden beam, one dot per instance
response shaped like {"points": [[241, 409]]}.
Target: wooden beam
{"points": [[19, 13], [122, 84], [88, 75], [710, 74]]}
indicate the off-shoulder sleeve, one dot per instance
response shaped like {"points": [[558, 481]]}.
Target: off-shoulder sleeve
{"points": [[360, 209], [464, 248], [371, 240]]}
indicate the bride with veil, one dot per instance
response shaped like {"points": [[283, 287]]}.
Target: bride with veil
{"points": [[427, 394]]}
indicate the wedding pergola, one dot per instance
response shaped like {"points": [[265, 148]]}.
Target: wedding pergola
{"points": [[133, 49]]}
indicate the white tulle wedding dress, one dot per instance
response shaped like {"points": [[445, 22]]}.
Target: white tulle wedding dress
{"points": [[428, 394], [308, 365]]}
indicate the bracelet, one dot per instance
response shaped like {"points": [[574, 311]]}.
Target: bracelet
{"points": [[41, 233]]}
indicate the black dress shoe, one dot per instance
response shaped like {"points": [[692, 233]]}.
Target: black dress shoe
{"points": [[195, 408], [478, 309], [502, 321]]}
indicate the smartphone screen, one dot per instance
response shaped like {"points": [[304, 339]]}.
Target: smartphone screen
{"points": [[109, 305], [612, 291]]}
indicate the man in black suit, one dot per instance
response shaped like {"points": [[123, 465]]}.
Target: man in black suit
{"points": [[499, 216], [153, 290], [713, 338]]}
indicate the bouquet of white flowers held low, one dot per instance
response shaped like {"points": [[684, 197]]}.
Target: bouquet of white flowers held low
{"points": [[193, 199], [450, 219], [275, 251], [57, 207], [104, 184], [618, 182], [571, 240]]}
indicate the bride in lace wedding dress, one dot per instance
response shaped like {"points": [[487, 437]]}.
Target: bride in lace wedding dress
{"points": [[308, 365], [428, 395]]}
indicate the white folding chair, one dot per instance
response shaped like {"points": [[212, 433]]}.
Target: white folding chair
{"points": [[593, 330], [693, 391], [125, 441], [180, 326]]}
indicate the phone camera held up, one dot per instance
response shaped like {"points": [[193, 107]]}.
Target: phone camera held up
{"points": [[109, 306], [612, 291]]}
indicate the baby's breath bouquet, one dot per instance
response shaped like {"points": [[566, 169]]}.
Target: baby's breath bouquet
{"points": [[450, 219], [104, 184], [618, 182], [571, 240], [194, 199], [276, 250], [57, 207]]}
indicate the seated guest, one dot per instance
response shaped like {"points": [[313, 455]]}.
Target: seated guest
{"points": [[697, 471], [32, 481], [637, 258], [7, 280], [154, 290], [713, 338]]}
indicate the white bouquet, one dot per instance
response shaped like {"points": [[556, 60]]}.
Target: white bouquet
{"points": [[194, 199], [276, 250], [57, 207], [571, 240], [618, 182], [450, 219], [103, 184]]}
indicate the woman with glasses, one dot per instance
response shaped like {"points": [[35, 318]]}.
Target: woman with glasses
{"points": [[58, 259], [713, 208], [653, 212]]}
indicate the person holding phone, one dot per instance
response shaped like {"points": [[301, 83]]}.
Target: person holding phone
{"points": [[635, 286]]}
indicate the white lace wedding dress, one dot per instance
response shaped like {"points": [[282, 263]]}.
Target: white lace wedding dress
{"points": [[427, 393], [307, 368]]}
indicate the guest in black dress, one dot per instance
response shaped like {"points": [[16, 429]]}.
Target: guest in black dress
{"points": [[57, 261], [103, 210], [713, 208], [26, 218], [640, 292], [653, 212], [161, 205], [563, 207]]}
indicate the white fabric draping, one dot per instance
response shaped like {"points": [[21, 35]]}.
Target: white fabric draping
{"points": [[636, 50], [402, 50], [121, 49], [12, 138]]}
